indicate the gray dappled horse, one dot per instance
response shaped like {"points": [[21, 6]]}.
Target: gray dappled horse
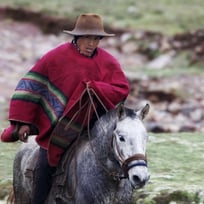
{"points": [[106, 166]]}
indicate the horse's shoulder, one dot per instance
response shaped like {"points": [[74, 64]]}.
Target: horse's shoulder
{"points": [[27, 154]]}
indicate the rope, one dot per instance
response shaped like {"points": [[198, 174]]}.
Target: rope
{"points": [[73, 152], [77, 112]]}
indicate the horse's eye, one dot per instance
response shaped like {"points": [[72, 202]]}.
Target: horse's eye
{"points": [[121, 138]]}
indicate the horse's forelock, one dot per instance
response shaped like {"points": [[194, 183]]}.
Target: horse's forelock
{"points": [[107, 122], [130, 113]]}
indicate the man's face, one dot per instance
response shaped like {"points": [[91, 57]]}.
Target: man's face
{"points": [[87, 44]]}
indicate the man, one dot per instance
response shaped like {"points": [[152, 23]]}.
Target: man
{"points": [[56, 92]]}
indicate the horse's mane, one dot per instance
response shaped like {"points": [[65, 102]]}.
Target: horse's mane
{"points": [[102, 132], [105, 123]]}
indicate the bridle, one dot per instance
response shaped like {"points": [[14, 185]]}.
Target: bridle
{"points": [[127, 164]]}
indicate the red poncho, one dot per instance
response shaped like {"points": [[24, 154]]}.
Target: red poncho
{"points": [[53, 87]]}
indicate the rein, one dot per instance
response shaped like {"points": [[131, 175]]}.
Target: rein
{"points": [[114, 174], [133, 161]]}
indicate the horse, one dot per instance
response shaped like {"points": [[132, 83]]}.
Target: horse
{"points": [[108, 163]]}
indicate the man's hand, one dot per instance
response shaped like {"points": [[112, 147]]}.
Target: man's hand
{"points": [[23, 133]]}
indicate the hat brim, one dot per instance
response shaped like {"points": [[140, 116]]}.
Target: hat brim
{"points": [[78, 33]]}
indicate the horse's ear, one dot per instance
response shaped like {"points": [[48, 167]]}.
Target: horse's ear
{"points": [[121, 111], [142, 113]]}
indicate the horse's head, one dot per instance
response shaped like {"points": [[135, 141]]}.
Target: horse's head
{"points": [[129, 143]]}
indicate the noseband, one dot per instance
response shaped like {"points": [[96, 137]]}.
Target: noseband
{"points": [[140, 160], [129, 163]]}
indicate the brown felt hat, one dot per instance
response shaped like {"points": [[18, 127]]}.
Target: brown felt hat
{"points": [[89, 24]]}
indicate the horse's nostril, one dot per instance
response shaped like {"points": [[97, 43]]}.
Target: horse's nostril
{"points": [[136, 179]]}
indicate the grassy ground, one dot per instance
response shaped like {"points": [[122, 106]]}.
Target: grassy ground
{"points": [[7, 153], [167, 16], [176, 160], [175, 164]]}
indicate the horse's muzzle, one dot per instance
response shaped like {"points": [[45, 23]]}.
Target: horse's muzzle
{"points": [[135, 169], [137, 182]]}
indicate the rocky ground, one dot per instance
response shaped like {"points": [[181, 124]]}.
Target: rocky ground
{"points": [[177, 103]]}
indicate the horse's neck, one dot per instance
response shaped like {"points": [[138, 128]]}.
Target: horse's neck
{"points": [[103, 129], [102, 137]]}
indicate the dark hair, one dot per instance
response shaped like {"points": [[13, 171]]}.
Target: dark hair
{"points": [[76, 37]]}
